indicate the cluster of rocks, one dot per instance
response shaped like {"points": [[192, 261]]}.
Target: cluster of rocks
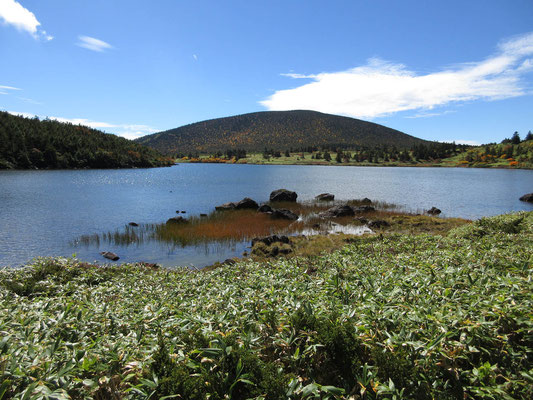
{"points": [[345, 210], [280, 195], [271, 246]]}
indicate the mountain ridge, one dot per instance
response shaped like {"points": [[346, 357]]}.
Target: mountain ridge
{"points": [[280, 130]]}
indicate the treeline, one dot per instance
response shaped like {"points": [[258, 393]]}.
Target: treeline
{"points": [[429, 151], [516, 151], [27, 143]]}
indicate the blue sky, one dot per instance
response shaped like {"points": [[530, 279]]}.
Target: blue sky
{"points": [[439, 70]]}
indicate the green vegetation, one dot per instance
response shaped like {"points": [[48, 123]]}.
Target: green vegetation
{"points": [[30, 143], [279, 130], [397, 316]]}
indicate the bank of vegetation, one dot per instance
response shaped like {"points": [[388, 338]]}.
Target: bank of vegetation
{"points": [[29, 143], [507, 154], [390, 316]]}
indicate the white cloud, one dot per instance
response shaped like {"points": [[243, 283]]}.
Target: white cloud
{"points": [[129, 131], [7, 89], [93, 43], [380, 88], [13, 13], [195, 57]]}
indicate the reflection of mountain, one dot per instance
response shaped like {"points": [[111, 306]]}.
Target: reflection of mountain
{"points": [[280, 130]]}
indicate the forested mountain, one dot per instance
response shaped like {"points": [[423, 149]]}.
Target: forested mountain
{"points": [[279, 130], [31, 143]]}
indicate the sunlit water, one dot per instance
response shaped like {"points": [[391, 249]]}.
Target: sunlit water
{"points": [[42, 213]]}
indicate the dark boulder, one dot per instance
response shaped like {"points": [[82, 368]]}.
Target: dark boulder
{"points": [[378, 224], [110, 256], [265, 208], [338, 211], [366, 200], [203, 215], [283, 195], [133, 224], [177, 220], [246, 203], [364, 209], [225, 207], [361, 220], [433, 211], [325, 197], [283, 213], [229, 261], [527, 197], [268, 240]]}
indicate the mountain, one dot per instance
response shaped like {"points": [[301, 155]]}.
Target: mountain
{"points": [[31, 143], [278, 130]]}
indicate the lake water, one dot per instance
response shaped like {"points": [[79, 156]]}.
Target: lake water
{"points": [[42, 213]]}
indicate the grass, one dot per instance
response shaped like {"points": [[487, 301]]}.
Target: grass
{"points": [[399, 316], [297, 159]]}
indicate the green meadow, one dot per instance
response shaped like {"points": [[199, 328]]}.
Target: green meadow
{"points": [[392, 316]]}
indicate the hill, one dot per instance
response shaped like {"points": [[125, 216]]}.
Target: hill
{"points": [[280, 130], [27, 143]]}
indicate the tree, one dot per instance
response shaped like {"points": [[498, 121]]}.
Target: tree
{"points": [[529, 136], [515, 139]]}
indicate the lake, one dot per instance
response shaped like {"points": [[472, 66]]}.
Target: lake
{"points": [[44, 213]]}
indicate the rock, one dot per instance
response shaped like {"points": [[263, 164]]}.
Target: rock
{"points": [[378, 224], [361, 220], [282, 213], [283, 195], [133, 224], [325, 197], [364, 209], [265, 208], [183, 212], [527, 197], [203, 215], [366, 200], [229, 261], [225, 207], [338, 211], [177, 220], [268, 240], [247, 203], [110, 256], [433, 211]]}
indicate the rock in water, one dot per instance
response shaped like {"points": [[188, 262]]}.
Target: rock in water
{"points": [[225, 207], [283, 195], [338, 211], [110, 256], [265, 208], [527, 197], [133, 224], [433, 211], [177, 220], [284, 214], [325, 197], [247, 203]]}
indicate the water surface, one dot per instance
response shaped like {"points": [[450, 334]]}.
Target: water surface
{"points": [[42, 213]]}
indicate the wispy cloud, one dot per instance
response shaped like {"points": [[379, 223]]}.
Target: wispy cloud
{"points": [[13, 13], [381, 88], [195, 56], [93, 43], [7, 89], [429, 114], [129, 131]]}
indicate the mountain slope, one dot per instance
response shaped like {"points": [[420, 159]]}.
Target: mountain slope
{"points": [[278, 130], [30, 143]]}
